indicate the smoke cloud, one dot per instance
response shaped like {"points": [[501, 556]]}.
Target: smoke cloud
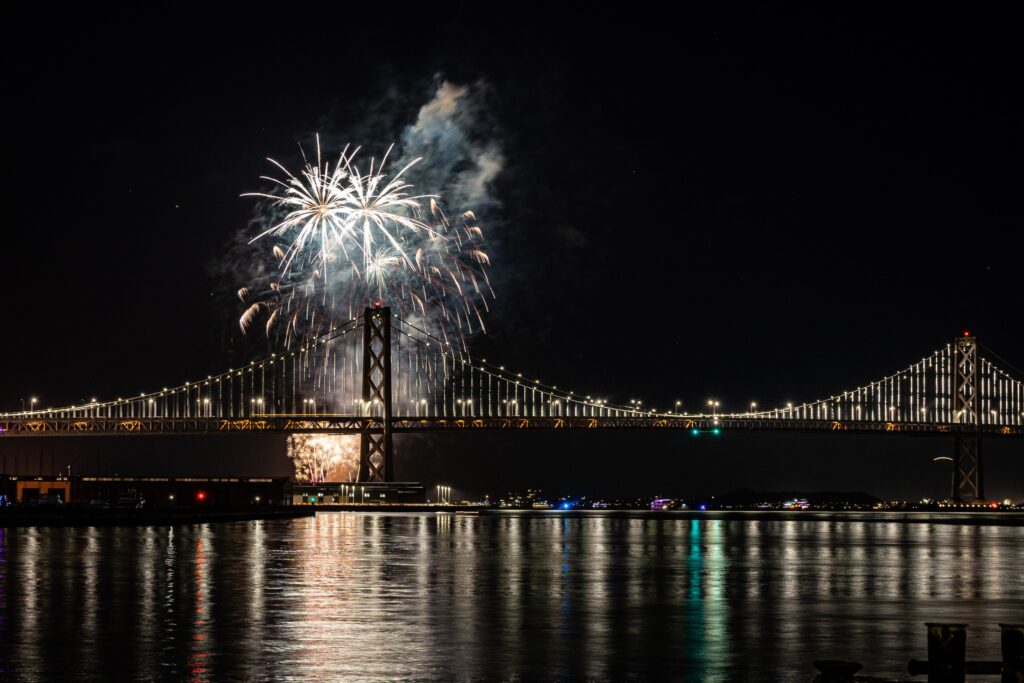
{"points": [[458, 146], [461, 155]]}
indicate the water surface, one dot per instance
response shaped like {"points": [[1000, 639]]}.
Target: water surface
{"points": [[518, 596]]}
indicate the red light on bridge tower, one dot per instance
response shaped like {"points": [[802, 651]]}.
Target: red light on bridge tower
{"points": [[967, 333], [377, 303]]}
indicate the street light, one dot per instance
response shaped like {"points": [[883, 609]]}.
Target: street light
{"points": [[753, 406], [714, 406]]}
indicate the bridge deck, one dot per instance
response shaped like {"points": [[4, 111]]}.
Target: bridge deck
{"points": [[349, 424]]}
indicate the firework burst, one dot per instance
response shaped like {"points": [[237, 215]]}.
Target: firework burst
{"points": [[347, 237], [317, 207]]}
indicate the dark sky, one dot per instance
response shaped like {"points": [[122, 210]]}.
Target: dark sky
{"points": [[752, 206]]}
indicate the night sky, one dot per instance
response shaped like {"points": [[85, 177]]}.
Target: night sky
{"points": [[749, 206]]}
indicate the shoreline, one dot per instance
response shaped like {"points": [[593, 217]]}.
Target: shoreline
{"points": [[72, 517], [989, 517], [160, 517]]}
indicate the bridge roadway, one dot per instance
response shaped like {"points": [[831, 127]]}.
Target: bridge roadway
{"points": [[351, 424]]}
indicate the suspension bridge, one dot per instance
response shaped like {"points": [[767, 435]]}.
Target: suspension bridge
{"points": [[378, 375]]}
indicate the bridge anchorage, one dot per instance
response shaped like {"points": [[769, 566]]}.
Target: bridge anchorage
{"points": [[379, 375]]}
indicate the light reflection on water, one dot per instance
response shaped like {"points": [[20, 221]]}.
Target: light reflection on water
{"points": [[524, 596]]}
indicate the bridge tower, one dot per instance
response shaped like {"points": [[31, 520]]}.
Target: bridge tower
{"points": [[376, 461], [967, 480]]}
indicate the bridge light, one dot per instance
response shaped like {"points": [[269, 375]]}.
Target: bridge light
{"points": [[201, 496], [967, 333], [716, 431], [695, 431]]}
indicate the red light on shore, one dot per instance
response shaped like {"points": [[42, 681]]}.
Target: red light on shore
{"points": [[201, 496]]}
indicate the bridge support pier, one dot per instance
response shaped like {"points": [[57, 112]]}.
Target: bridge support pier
{"points": [[967, 481], [376, 458]]}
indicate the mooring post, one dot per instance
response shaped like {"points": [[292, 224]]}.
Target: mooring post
{"points": [[1013, 652], [835, 671], [947, 652]]}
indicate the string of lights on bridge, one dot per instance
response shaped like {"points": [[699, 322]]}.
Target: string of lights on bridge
{"points": [[437, 379]]}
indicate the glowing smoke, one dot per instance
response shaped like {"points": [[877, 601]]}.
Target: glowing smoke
{"points": [[461, 159]]}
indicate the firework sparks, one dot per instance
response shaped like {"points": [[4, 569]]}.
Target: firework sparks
{"points": [[349, 237], [340, 209], [317, 201]]}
